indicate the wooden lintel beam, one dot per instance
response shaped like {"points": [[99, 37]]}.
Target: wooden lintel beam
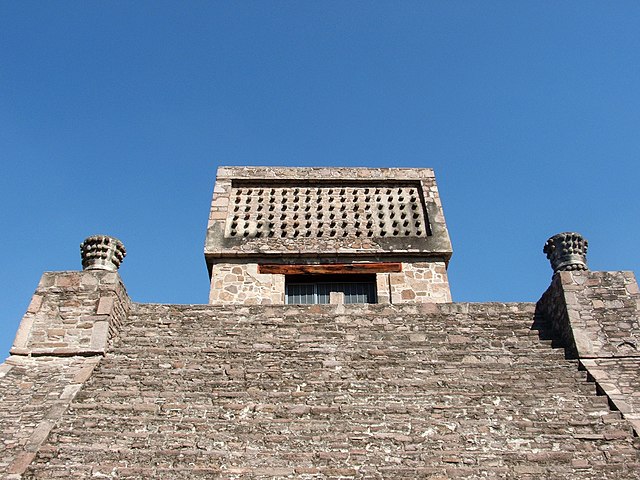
{"points": [[332, 268]]}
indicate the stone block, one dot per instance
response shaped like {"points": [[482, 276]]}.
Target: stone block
{"points": [[105, 305], [336, 298], [24, 331], [21, 463], [34, 306]]}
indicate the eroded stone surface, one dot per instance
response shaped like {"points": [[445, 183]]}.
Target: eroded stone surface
{"points": [[337, 391], [597, 313], [64, 333], [34, 394], [597, 316], [241, 283], [420, 282], [72, 313], [619, 378]]}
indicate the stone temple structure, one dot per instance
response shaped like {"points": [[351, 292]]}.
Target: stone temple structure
{"points": [[330, 348]]}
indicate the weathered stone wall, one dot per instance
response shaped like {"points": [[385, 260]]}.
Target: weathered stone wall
{"points": [[420, 282], [67, 328], [619, 379], [597, 312], [337, 391], [553, 307], [240, 283], [72, 313], [35, 392], [597, 316]]}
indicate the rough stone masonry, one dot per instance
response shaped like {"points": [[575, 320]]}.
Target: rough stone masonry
{"points": [[293, 216], [329, 350]]}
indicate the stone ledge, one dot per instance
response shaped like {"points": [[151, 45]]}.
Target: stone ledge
{"points": [[324, 173]]}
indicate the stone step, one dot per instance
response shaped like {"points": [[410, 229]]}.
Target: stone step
{"points": [[445, 391], [275, 389], [352, 432], [337, 473], [283, 317], [350, 463]]}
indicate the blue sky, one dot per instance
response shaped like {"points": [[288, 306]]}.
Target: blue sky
{"points": [[115, 115]]}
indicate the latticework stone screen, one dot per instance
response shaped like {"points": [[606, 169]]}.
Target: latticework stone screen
{"points": [[329, 211], [314, 212]]}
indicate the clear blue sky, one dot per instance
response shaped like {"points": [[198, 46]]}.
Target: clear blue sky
{"points": [[115, 115]]}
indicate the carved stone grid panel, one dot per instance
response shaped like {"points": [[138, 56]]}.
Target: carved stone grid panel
{"points": [[326, 212]]}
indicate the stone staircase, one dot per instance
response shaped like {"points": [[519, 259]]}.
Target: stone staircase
{"points": [[347, 391], [34, 393]]}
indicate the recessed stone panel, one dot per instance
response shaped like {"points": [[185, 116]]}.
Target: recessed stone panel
{"points": [[275, 211], [326, 210]]}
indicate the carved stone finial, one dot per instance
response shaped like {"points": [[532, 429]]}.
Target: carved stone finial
{"points": [[567, 251], [101, 252]]}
